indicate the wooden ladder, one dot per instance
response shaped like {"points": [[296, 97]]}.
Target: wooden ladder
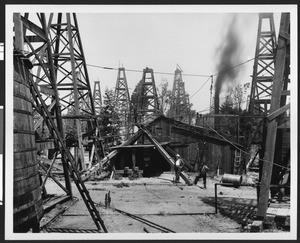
{"points": [[237, 160], [43, 110]]}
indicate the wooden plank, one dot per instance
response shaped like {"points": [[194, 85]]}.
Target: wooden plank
{"points": [[27, 200], [24, 159], [278, 112], [45, 145], [52, 203], [24, 186], [24, 173]]}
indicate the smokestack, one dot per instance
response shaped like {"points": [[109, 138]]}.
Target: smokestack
{"points": [[229, 56]]}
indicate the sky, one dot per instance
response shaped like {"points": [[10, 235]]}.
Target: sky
{"points": [[161, 41]]}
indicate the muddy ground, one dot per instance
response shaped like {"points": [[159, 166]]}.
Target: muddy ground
{"points": [[172, 207]]}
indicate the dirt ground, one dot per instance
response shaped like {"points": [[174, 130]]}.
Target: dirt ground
{"points": [[177, 207]]}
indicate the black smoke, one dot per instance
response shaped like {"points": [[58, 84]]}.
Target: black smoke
{"points": [[228, 55]]}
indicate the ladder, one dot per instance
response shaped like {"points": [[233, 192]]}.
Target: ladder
{"points": [[237, 160], [42, 107], [166, 155]]}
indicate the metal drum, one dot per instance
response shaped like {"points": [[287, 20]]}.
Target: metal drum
{"points": [[236, 180]]}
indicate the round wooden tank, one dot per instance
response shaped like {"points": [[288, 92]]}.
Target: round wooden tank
{"points": [[27, 201]]}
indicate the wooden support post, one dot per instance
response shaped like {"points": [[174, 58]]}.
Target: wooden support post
{"points": [[272, 126], [19, 39], [76, 97], [57, 110]]}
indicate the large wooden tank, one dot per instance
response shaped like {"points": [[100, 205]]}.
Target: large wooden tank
{"points": [[27, 202]]}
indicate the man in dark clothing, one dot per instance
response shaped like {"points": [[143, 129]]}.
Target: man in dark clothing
{"points": [[202, 173]]}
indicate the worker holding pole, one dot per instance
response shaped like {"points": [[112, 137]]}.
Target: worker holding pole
{"points": [[178, 166]]}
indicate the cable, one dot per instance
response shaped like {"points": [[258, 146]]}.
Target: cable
{"points": [[200, 87], [240, 64], [139, 71], [284, 167]]}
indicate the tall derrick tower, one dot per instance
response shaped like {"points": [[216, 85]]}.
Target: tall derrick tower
{"points": [[97, 97], [55, 54], [179, 108], [263, 69], [69, 69], [148, 106], [276, 163], [122, 102]]}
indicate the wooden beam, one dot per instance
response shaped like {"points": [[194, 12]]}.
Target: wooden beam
{"points": [[39, 122], [18, 27], [53, 178], [285, 125], [34, 28], [278, 112], [46, 90], [137, 146], [166, 156]]}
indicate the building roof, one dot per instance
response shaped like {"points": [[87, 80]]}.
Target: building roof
{"points": [[197, 131]]}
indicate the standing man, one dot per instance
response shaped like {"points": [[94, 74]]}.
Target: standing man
{"points": [[178, 166], [202, 173]]}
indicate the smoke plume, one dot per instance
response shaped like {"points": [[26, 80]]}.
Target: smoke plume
{"points": [[229, 55]]}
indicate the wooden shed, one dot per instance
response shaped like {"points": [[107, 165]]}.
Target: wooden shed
{"points": [[196, 143]]}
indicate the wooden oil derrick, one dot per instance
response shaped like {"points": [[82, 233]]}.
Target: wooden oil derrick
{"points": [[69, 70], [34, 31], [122, 102], [262, 79], [278, 119], [97, 97], [55, 52], [263, 69], [148, 106], [179, 108]]}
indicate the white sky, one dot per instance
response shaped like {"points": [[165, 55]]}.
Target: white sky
{"points": [[162, 40]]}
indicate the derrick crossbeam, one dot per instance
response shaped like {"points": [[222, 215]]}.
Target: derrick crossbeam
{"points": [[263, 70]]}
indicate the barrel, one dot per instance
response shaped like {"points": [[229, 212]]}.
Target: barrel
{"points": [[236, 180], [27, 197]]}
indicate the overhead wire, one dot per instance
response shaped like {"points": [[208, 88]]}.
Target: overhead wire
{"points": [[263, 160], [140, 71]]}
